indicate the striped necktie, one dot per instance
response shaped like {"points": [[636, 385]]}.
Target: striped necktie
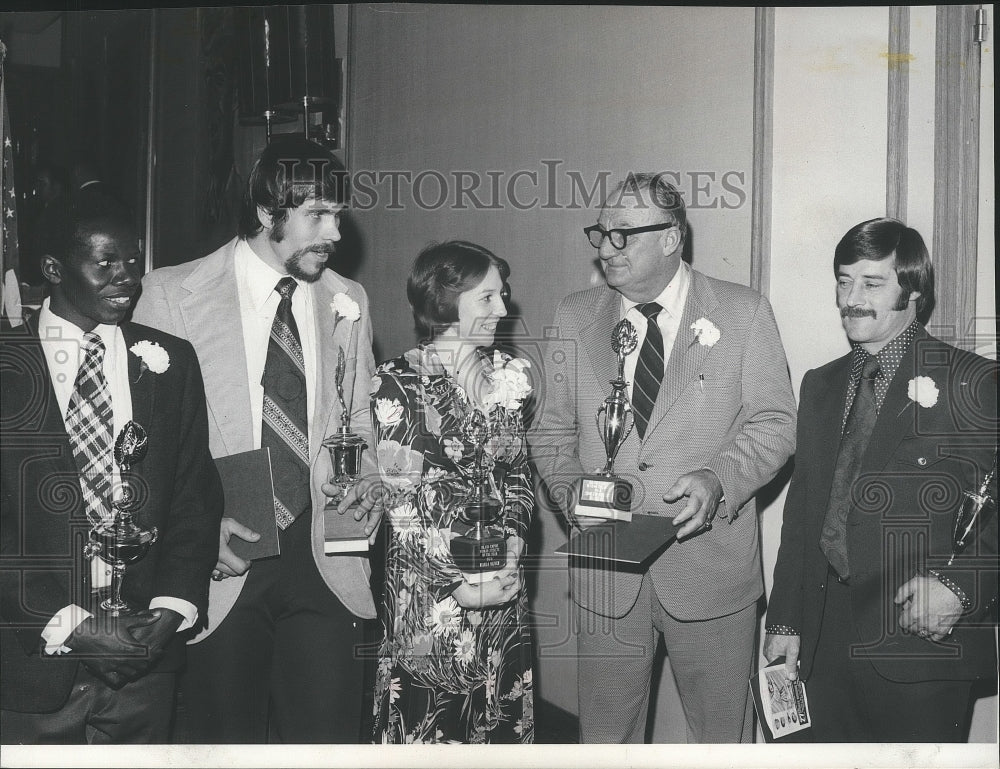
{"points": [[285, 428], [89, 419], [648, 369]]}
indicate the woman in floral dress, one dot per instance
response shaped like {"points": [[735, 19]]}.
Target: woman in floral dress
{"points": [[455, 665]]}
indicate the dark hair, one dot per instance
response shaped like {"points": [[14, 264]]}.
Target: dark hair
{"points": [[289, 171], [664, 196], [67, 224], [440, 274], [878, 239]]}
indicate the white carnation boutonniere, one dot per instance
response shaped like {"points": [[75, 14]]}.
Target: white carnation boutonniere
{"points": [[706, 332], [151, 357], [509, 383], [923, 391], [344, 307]]}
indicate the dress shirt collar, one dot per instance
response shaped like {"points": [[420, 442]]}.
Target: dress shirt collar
{"points": [[672, 297], [55, 327], [889, 357], [259, 277]]}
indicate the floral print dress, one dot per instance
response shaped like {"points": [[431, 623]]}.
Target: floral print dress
{"points": [[446, 674]]}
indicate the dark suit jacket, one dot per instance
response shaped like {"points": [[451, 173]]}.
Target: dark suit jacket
{"points": [[919, 460], [43, 523]]}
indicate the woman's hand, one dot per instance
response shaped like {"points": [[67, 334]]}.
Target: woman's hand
{"points": [[494, 592]]}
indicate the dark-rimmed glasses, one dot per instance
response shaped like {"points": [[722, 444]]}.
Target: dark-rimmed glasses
{"points": [[619, 237]]}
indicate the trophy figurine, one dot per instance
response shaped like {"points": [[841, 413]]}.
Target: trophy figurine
{"points": [[345, 446], [120, 541], [604, 494], [969, 511], [482, 550]]}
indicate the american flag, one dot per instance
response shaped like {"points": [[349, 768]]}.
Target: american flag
{"points": [[10, 295]]}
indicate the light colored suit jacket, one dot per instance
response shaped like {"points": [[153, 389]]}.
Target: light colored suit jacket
{"points": [[198, 301], [727, 407]]}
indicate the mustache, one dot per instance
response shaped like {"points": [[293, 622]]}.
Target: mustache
{"points": [[856, 312]]}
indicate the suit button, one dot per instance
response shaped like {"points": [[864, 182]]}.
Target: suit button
{"points": [[643, 466], [822, 586], [922, 461]]}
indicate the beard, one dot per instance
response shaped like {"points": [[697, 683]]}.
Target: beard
{"points": [[297, 267]]}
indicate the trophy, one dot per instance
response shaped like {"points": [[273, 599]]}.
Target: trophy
{"points": [[604, 494], [482, 550], [969, 511], [345, 446], [120, 541]]}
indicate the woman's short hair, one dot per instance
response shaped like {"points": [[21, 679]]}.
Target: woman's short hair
{"points": [[288, 171], [441, 273], [878, 239]]}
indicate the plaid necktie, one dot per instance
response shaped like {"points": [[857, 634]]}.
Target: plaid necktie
{"points": [[285, 418], [89, 420], [648, 369], [857, 432]]}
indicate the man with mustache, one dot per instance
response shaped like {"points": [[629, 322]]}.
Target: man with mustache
{"points": [[866, 608], [74, 375], [279, 647]]}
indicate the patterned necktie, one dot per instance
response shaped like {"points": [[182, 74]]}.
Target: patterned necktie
{"points": [[857, 432], [89, 420], [285, 421], [648, 369]]}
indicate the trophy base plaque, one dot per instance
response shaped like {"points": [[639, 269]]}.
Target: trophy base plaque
{"points": [[479, 554], [605, 496]]}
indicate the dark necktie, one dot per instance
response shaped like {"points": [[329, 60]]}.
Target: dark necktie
{"points": [[89, 420], [857, 432], [285, 427], [648, 369]]}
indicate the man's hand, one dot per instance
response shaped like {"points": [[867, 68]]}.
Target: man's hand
{"points": [[929, 609], [703, 490], [786, 646], [230, 564], [157, 635], [367, 497], [109, 649]]}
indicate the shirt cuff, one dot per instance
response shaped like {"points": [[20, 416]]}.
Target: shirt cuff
{"points": [[781, 630], [953, 587], [61, 627], [186, 609]]}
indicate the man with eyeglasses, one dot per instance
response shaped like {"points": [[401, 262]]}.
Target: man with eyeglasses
{"points": [[714, 421]]}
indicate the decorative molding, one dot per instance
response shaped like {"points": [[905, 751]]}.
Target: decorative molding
{"points": [[763, 158], [956, 173], [899, 57]]}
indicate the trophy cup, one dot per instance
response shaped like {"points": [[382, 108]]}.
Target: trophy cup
{"points": [[482, 550], [121, 541], [604, 494], [969, 511], [345, 446]]}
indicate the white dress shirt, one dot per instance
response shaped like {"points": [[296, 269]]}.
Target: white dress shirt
{"points": [[63, 348], [672, 299], [255, 283]]}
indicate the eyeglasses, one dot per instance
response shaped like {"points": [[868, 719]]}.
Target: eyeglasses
{"points": [[619, 237]]}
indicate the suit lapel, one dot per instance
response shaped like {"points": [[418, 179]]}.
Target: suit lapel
{"points": [[596, 339], [142, 383], [213, 323], [329, 341], [896, 418], [687, 356]]}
